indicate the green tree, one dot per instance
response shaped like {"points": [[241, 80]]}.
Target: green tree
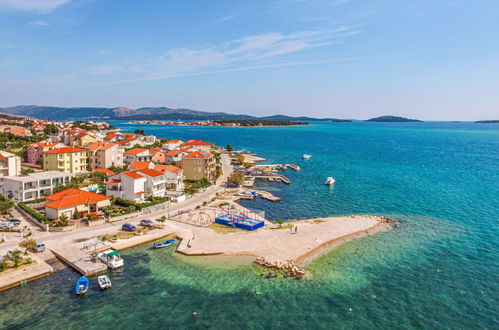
{"points": [[28, 244], [139, 131], [161, 220], [16, 255], [236, 178], [240, 159], [229, 148], [50, 129]]}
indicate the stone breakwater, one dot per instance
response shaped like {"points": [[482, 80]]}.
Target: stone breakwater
{"points": [[288, 267]]}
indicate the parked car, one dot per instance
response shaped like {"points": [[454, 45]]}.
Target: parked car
{"points": [[128, 227], [15, 222], [10, 253], [147, 223], [40, 246], [6, 225]]}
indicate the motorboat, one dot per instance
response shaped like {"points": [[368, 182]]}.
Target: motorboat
{"points": [[104, 282], [111, 259], [164, 244], [82, 286], [330, 181], [305, 156]]}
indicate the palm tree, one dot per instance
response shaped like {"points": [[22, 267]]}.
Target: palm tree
{"points": [[16, 255]]}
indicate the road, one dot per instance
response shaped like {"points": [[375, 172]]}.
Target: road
{"points": [[80, 234]]}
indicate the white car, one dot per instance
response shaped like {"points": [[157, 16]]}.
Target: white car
{"points": [[6, 225]]}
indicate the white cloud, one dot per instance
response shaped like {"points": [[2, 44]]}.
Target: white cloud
{"points": [[39, 23], [224, 19], [268, 50], [40, 6]]}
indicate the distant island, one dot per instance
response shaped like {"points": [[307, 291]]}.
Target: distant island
{"points": [[487, 122], [260, 122], [341, 120], [393, 119]]}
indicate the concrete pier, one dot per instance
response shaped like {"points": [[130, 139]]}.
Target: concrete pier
{"points": [[79, 260]]}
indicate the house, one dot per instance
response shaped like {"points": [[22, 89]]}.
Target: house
{"points": [[172, 144], [137, 154], [104, 154], [111, 137], [72, 200], [137, 185], [174, 156], [197, 145], [35, 150], [34, 185], [81, 139], [140, 165], [16, 130], [65, 159], [198, 165], [128, 185], [148, 139], [129, 140], [174, 176], [159, 155], [10, 164], [155, 182]]}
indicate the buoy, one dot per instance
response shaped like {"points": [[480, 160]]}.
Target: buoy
{"points": [[350, 310], [194, 314]]}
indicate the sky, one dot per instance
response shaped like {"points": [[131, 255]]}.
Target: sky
{"points": [[424, 59]]}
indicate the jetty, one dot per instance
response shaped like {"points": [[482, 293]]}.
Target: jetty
{"points": [[276, 167], [268, 196], [79, 260]]}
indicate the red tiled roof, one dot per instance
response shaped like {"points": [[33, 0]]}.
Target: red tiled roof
{"points": [[198, 154], [135, 151], [46, 144], [169, 168], [104, 170], [72, 197], [149, 172], [63, 150], [133, 174], [114, 181], [99, 146], [196, 143], [110, 136], [139, 165], [172, 153]]}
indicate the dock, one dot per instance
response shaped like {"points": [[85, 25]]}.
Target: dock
{"points": [[29, 272], [268, 196], [276, 167], [79, 260]]}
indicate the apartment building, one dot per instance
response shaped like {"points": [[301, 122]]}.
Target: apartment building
{"points": [[198, 165], [104, 155], [32, 186], [66, 159]]}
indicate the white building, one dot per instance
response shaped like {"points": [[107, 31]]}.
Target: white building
{"points": [[137, 155], [137, 185], [34, 185], [10, 164], [174, 176]]}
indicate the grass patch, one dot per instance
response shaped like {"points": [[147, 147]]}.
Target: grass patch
{"points": [[221, 229]]}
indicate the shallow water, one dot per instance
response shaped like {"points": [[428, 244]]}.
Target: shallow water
{"points": [[438, 269]]}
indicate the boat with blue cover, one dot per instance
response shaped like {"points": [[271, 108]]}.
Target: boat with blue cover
{"points": [[164, 244], [82, 286]]}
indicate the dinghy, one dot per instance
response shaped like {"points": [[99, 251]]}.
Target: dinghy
{"points": [[104, 282], [330, 181], [305, 156], [164, 244], [82, 286]]}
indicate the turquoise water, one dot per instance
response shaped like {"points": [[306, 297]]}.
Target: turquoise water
{"points": [[440, 180]]}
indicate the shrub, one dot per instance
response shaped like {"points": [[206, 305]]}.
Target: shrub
{"points": [[35, 214]]}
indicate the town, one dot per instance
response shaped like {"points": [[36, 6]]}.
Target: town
{"points": [[83, 191]]}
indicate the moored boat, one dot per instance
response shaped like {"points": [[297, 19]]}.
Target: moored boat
{"points": [[111, 259], [330, 181], [82, 286], [104, 282], [305, 156], [164, 244]]}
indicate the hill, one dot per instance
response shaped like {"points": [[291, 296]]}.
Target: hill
{"points": [[123, 113], [393, 119]]}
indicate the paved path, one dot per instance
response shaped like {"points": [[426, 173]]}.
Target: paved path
{"points": [[110, 228]]}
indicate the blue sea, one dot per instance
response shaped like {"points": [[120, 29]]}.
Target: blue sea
{"points": [[437, 270]]}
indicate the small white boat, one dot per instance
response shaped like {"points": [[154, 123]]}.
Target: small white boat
{"points": [[104, 282], [305, 156], [330, 181], [111, 259]]}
